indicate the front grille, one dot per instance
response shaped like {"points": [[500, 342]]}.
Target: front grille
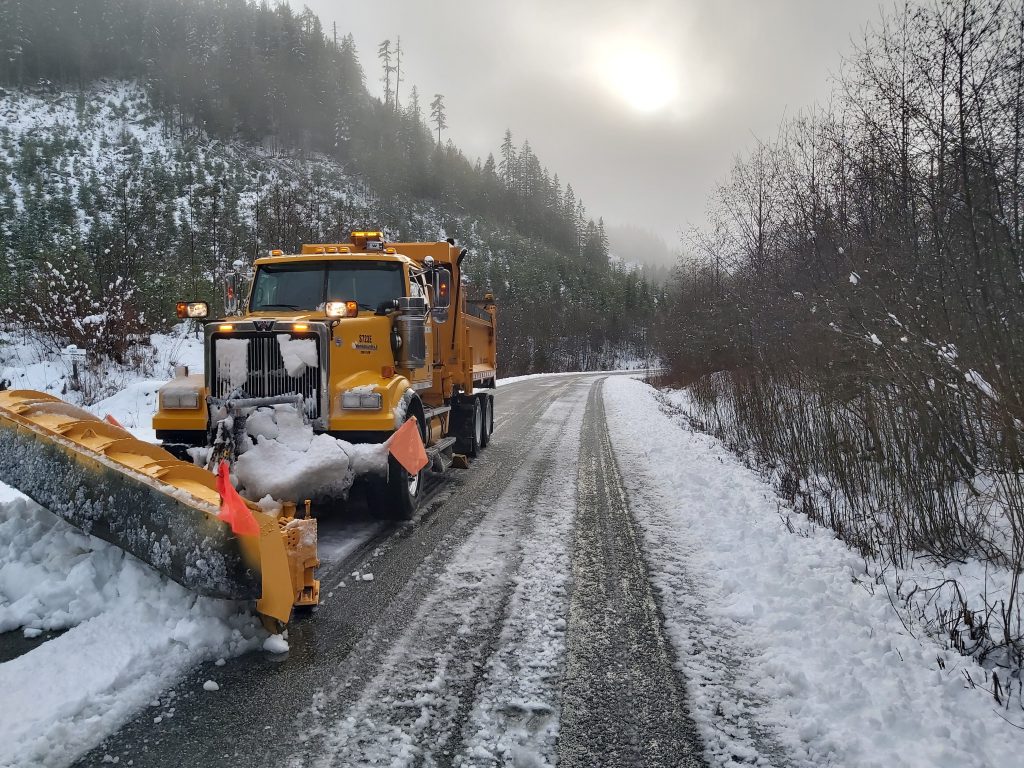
{"points": [[266, 375]]}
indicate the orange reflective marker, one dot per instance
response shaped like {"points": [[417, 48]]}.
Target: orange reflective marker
{"points": [[406, 446], [232, 509]]}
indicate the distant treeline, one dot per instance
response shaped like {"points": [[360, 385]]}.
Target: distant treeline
{"points": [[266, 75], [854, 312]]}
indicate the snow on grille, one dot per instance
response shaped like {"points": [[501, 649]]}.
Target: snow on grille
{"points": [[266, 374]]}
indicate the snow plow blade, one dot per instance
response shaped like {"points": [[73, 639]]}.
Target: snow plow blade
{"points": [[137, 496]]}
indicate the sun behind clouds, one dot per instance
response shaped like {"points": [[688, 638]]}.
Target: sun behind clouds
{"points": [[645, 79]]}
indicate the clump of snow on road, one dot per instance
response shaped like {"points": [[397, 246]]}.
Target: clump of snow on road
{"points": [[305, 465], [130, 633], [787, 646], [276, 644]]}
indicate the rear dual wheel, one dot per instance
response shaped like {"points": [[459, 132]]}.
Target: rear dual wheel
{"points": [[473, 424], [487, 408]]}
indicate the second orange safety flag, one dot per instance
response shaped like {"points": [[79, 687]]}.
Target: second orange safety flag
{"points": [[233, 509], [406, 446]]}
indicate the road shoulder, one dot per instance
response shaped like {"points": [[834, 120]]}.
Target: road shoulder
{"points": [[791, 656]]}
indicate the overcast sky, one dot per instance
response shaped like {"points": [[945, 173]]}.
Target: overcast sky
{"points": [[641, 105]]}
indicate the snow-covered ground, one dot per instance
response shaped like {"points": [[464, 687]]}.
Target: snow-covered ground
{"points": [[129, 634], [124, 631], [25, 364], [789, 643]]}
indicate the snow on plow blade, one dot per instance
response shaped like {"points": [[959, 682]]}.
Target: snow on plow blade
{"points": [[163, 511]]}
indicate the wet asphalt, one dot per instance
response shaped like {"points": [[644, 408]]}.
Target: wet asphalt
{"points": [[623, 703]]}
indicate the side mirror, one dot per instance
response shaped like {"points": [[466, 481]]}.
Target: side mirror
{"points": [[442, 288], [231, 294], [192, 310]]}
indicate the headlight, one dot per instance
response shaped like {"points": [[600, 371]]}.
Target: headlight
{"points": [[192, 309], [341, 309], [354, 400], [180, 400]]}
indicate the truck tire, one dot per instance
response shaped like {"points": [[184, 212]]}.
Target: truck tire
{"points": [[487, 419], [478, 429], [397, 496], [467, 426], [401, 491]]}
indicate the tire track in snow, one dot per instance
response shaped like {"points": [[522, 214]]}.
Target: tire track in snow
{"points": [[516, 704], [623, 703], [437, 647]]}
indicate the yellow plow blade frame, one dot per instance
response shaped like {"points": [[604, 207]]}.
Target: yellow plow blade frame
{"points": [[139, 497]]}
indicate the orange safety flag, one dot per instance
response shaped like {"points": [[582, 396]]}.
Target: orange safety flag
{"points": [[111, 420], [406, 446], [233, 509]]}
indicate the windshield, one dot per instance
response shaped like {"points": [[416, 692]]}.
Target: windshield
{"points": [[307, 285]]}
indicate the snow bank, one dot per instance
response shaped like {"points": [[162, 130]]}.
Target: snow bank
{"points": [[133, 407], [786, 644], [130, 633], [304, 465]]}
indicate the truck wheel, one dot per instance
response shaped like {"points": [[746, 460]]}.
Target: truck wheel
{"points": [[397, 496], [486, 420], [478, 429], [401, 491], [467, 425]]}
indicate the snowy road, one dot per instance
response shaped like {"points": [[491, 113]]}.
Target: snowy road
{"points": [[455, 653], [605, 587]]}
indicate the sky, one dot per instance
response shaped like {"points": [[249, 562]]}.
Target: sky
{"points": [[642, 105]]}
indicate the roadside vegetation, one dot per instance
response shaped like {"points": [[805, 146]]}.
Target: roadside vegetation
{"points": [[852, 318]]}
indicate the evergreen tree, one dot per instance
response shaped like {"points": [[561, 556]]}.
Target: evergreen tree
{"points": [[384, 55], [437, 114]]}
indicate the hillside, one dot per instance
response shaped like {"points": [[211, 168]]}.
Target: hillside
{"points": [[145, 174]]}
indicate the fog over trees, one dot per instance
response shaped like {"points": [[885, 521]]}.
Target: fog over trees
{"points": [[252, 97]]}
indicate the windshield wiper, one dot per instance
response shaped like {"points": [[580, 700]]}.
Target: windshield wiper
{"points": [[275, 306]]}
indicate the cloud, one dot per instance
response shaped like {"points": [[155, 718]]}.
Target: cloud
{"points": [[540, 69]]}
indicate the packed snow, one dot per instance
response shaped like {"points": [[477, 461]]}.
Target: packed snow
{"points": [[306, 465], [297, 354], [232, 361], [789, 639]]}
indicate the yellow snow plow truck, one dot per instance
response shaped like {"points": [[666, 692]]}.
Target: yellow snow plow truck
{"points": [[353, 339]]}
